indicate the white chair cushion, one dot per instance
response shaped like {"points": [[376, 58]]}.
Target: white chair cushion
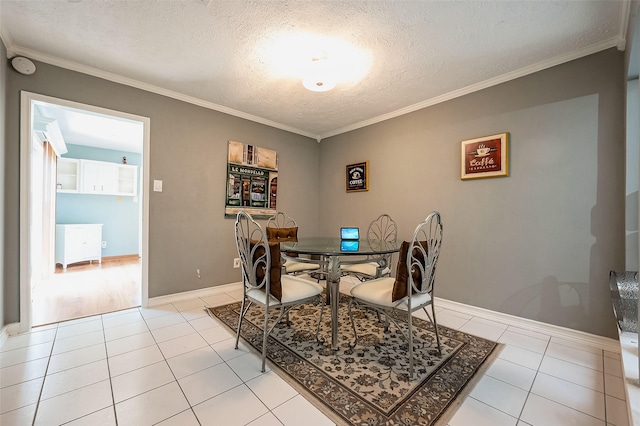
{"points": [[293, 266], [369, 268], [378, 292], [293, 289]]}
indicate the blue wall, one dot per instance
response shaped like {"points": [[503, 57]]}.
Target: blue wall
{"points": [[119, 215]]}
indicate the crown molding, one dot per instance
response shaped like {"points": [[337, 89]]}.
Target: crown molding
{"points": [[623, 24], [595, 48], [73, 66], [6, 38], [616, 41]]}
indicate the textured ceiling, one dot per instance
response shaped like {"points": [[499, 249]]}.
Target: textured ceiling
{"points": [[219, 54]]}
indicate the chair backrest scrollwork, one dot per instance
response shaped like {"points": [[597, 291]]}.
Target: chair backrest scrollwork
{"points": [[423, 254], [383, 229], [254, 253], [281, 220]]}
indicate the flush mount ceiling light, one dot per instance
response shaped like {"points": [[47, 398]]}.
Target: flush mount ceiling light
{"points": [[318, 75], [321, 62]]}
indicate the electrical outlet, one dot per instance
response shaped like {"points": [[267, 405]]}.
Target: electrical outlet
{"points": [[104, 244], [198, 272], [236, 262]]}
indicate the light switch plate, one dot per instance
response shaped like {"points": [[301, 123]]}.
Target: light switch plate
{"points": [[157, 185]]}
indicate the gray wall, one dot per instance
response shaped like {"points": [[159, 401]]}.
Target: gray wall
{"points": [[187, 228], [632, 177], [3, 90], [538, 244]]}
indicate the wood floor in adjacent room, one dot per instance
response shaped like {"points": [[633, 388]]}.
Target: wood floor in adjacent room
{"points": [[87, 289]]}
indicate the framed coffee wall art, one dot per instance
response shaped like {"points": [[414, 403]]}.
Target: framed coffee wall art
{"points": [[358, 177], [484, 157]]}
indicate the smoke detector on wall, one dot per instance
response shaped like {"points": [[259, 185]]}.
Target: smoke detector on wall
{"points": [[23, 65]]}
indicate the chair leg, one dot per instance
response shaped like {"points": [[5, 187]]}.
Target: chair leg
{"points": [[435, 326], [264, 337], [242, 312], [353, 324], [321, 272], [323, 303], [410, 339]]}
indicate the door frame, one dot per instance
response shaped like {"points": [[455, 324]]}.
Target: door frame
{"points": [[26, 125]]}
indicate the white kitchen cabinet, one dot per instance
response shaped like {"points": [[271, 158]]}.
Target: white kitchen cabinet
{"points": [[68, 175], [78, 243], [99, 177], [127, 180]]}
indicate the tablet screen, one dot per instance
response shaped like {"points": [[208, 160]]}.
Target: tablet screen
{"points": [[349, 233]]}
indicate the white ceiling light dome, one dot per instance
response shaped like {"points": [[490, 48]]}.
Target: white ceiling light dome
{"points": [[321, 62], [319, 76]]}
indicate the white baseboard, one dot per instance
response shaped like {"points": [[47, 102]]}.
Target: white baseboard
{"points": [[9, 330], [204, 292], [515, 321], [563, 332], [507, 319], [4, 335], [528, 324]]}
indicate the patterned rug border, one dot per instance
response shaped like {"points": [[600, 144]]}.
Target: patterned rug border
{"points": [[448, 367]]}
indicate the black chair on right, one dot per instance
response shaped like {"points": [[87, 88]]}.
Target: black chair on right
{"points": [[383, 229], [411, 289]]}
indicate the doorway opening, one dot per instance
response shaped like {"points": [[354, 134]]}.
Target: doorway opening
{"points": [[84, 246]]}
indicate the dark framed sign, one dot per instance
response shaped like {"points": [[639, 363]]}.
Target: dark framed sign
{"points": [[487, 156], [358, 177]]}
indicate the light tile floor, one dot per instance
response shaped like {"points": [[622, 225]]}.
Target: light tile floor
{"points": [[174, 365]]}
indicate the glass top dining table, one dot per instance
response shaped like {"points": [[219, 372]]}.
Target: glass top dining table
{"points": [[334, 252]]}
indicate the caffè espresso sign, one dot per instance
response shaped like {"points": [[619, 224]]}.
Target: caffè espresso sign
{"points": [[358, 177], [485, 157]]}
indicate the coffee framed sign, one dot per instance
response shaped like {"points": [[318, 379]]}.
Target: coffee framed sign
{"points": [[358, 177], [484, 157]]}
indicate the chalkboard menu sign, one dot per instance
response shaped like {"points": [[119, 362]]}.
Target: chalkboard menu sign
{"points": [[358, 177]]}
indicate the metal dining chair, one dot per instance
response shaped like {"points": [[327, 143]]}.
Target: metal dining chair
{"points": [[411, 289], [263, 283], [383, 229], [282, 227]]}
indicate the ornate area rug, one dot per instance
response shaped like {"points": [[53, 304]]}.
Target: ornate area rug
{"points": [[368, 384]]}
